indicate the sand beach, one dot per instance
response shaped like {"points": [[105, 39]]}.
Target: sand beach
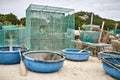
{"points": [[71, 70]]}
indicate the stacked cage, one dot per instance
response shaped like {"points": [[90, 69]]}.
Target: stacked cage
{"points": [[18, 35], [49, 28]]}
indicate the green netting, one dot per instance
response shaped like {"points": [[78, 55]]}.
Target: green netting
{"points": [[89, 27], [112, 32], [89, 36], [49, 28], [1, 24], [18, 35]]}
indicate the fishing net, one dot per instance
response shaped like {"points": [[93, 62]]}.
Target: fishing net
{"points": [[112, 32], [18, 35], [49, 28], [90, 27], [89, 36]]}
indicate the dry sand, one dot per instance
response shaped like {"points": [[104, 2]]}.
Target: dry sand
{"points": [[88, 70]]}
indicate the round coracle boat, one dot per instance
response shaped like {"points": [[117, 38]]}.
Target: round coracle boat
{"points": [[108, 54], [76, 54], [43, 61], [112, 67], [11, 57]]}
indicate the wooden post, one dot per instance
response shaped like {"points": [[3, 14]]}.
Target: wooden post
{"points": [[11, 40], [91, 22], [23, 70], [79, 32], [101, 32], [116, 25], [79, 28]]}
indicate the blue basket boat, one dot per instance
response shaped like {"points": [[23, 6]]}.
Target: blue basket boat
{"points": [[112, 66], [108, 54], [10, 57], [73, 54], [43, 61]]}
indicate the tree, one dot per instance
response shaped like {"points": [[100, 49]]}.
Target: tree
{"points": [[97, 20], [23, 21], [2, 18], [12, 18]]}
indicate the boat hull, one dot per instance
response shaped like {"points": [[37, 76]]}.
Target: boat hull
{"points": [[108, 54], [42, 66], [10, 57], [110, 67], [74, 55]]}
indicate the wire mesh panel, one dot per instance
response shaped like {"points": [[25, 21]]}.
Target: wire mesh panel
{"points": [[47, 27], [18, 35], [89, 36], [90, 27], [1, 38]]}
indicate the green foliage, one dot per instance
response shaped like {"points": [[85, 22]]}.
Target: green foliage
{"points": [[7, 23], [97, 20], [11, 19], [23, 21], [2, 18]]}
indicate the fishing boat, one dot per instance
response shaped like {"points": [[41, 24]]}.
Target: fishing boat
{"points": [[108, 54], [112, 66], [76, 54], [43, 61], [11, 57]]}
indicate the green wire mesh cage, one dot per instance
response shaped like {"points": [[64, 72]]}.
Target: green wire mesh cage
{"points": [[49, 28], [18, 35]]}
